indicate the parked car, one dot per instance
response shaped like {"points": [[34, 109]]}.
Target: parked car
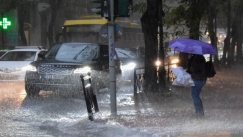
{"points": [[13, 63], [62, 65], [131, 58]]}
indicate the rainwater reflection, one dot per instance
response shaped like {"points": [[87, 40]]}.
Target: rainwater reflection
{"points": [[148, 112]]}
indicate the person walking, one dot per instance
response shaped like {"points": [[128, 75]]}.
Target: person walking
{"points": [[196, 67]]}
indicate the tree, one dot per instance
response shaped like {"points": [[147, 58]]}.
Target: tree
{"points": [[22, 11], [212, 27], [54, 5], [149, 22], [8, 5], [239, 31], [228, 37], [233, 12], [190, 12]]}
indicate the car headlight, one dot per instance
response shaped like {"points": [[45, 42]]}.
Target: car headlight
{"points": [[129, 66], [82, 70], [29, 68], [174, 63], [157, 63]]}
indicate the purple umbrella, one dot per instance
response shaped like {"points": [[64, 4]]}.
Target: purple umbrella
{"points": [[192, 46]]}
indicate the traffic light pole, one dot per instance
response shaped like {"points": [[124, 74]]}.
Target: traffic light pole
{"points": [[112, 69]]}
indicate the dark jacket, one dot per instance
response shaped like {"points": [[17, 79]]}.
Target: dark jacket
{"points": [[196, 67]]}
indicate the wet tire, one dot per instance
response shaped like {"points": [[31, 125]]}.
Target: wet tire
{"points": [[31, 90]]}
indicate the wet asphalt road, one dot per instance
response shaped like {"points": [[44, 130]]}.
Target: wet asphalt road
{"points": [[33, 116], [52, 114]]}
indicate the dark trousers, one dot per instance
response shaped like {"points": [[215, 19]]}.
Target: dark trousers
{"points": [[195, 94]]}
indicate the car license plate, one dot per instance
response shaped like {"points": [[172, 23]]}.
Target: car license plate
{"points": [[48, 76]]}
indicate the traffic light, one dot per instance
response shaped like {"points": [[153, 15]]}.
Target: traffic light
{"points": [[122, 8], [104, 9], [98, 9]]}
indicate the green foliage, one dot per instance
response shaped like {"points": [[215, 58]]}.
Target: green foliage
{"points": [[7, 5], [173, 18], [141, 7]]}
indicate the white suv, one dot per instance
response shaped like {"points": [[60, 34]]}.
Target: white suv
{"points": [[14, 63]]}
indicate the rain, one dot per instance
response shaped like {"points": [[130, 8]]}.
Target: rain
{"points": [[144, 115], [145, 112]]}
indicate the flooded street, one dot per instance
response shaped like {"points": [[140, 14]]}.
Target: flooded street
{"points": [[145, 115], [54, 114], [38, 116]]}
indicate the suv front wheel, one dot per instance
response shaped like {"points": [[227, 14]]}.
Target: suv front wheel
{"points": [[31, 90]]}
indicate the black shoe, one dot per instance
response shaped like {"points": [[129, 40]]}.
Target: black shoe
{"points": [[200, 115]]}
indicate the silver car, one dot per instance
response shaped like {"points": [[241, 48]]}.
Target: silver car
{"points": [[14, 63]]}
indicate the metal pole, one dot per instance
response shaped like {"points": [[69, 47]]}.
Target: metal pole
{"points": [[112, 69], [3, 42]]}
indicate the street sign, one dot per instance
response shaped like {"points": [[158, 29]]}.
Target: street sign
{"points": [[103, 33]]}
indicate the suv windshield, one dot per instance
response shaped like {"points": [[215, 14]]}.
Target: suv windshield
{"points": [[126, 52], [74, 52], [19, 56]]}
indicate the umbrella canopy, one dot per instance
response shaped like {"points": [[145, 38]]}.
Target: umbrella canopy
{"points": [[192, 46]]}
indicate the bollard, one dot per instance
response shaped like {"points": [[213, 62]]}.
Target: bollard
{"points": [[90, 97], [138, 79], [93, 96], [135, 82]]}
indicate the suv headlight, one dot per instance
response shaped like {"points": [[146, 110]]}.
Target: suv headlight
{"points": [[82, 70], [29, 68], [129, 66]]}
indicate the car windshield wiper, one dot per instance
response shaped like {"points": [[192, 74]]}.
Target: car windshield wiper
{"points": [[75, 57], [124, 54]]}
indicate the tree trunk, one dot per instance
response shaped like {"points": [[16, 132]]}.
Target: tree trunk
{"points": [[50, 28], [54, 4], [21, 14], [212, 30], [227, 40], [240, 34], [44, 24], [234, 36], [149, 21]]}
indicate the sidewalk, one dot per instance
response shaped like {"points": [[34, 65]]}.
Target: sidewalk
{"points": [[173, 116]]}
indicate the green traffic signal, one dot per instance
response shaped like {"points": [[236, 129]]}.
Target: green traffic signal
{"points": [[122, 8], [5, 23]]}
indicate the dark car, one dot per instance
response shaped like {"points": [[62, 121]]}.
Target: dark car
{"points": [[60, 68], [131, 58]]}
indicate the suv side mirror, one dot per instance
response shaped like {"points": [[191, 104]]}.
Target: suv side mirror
{"points": [[41, 55]]}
